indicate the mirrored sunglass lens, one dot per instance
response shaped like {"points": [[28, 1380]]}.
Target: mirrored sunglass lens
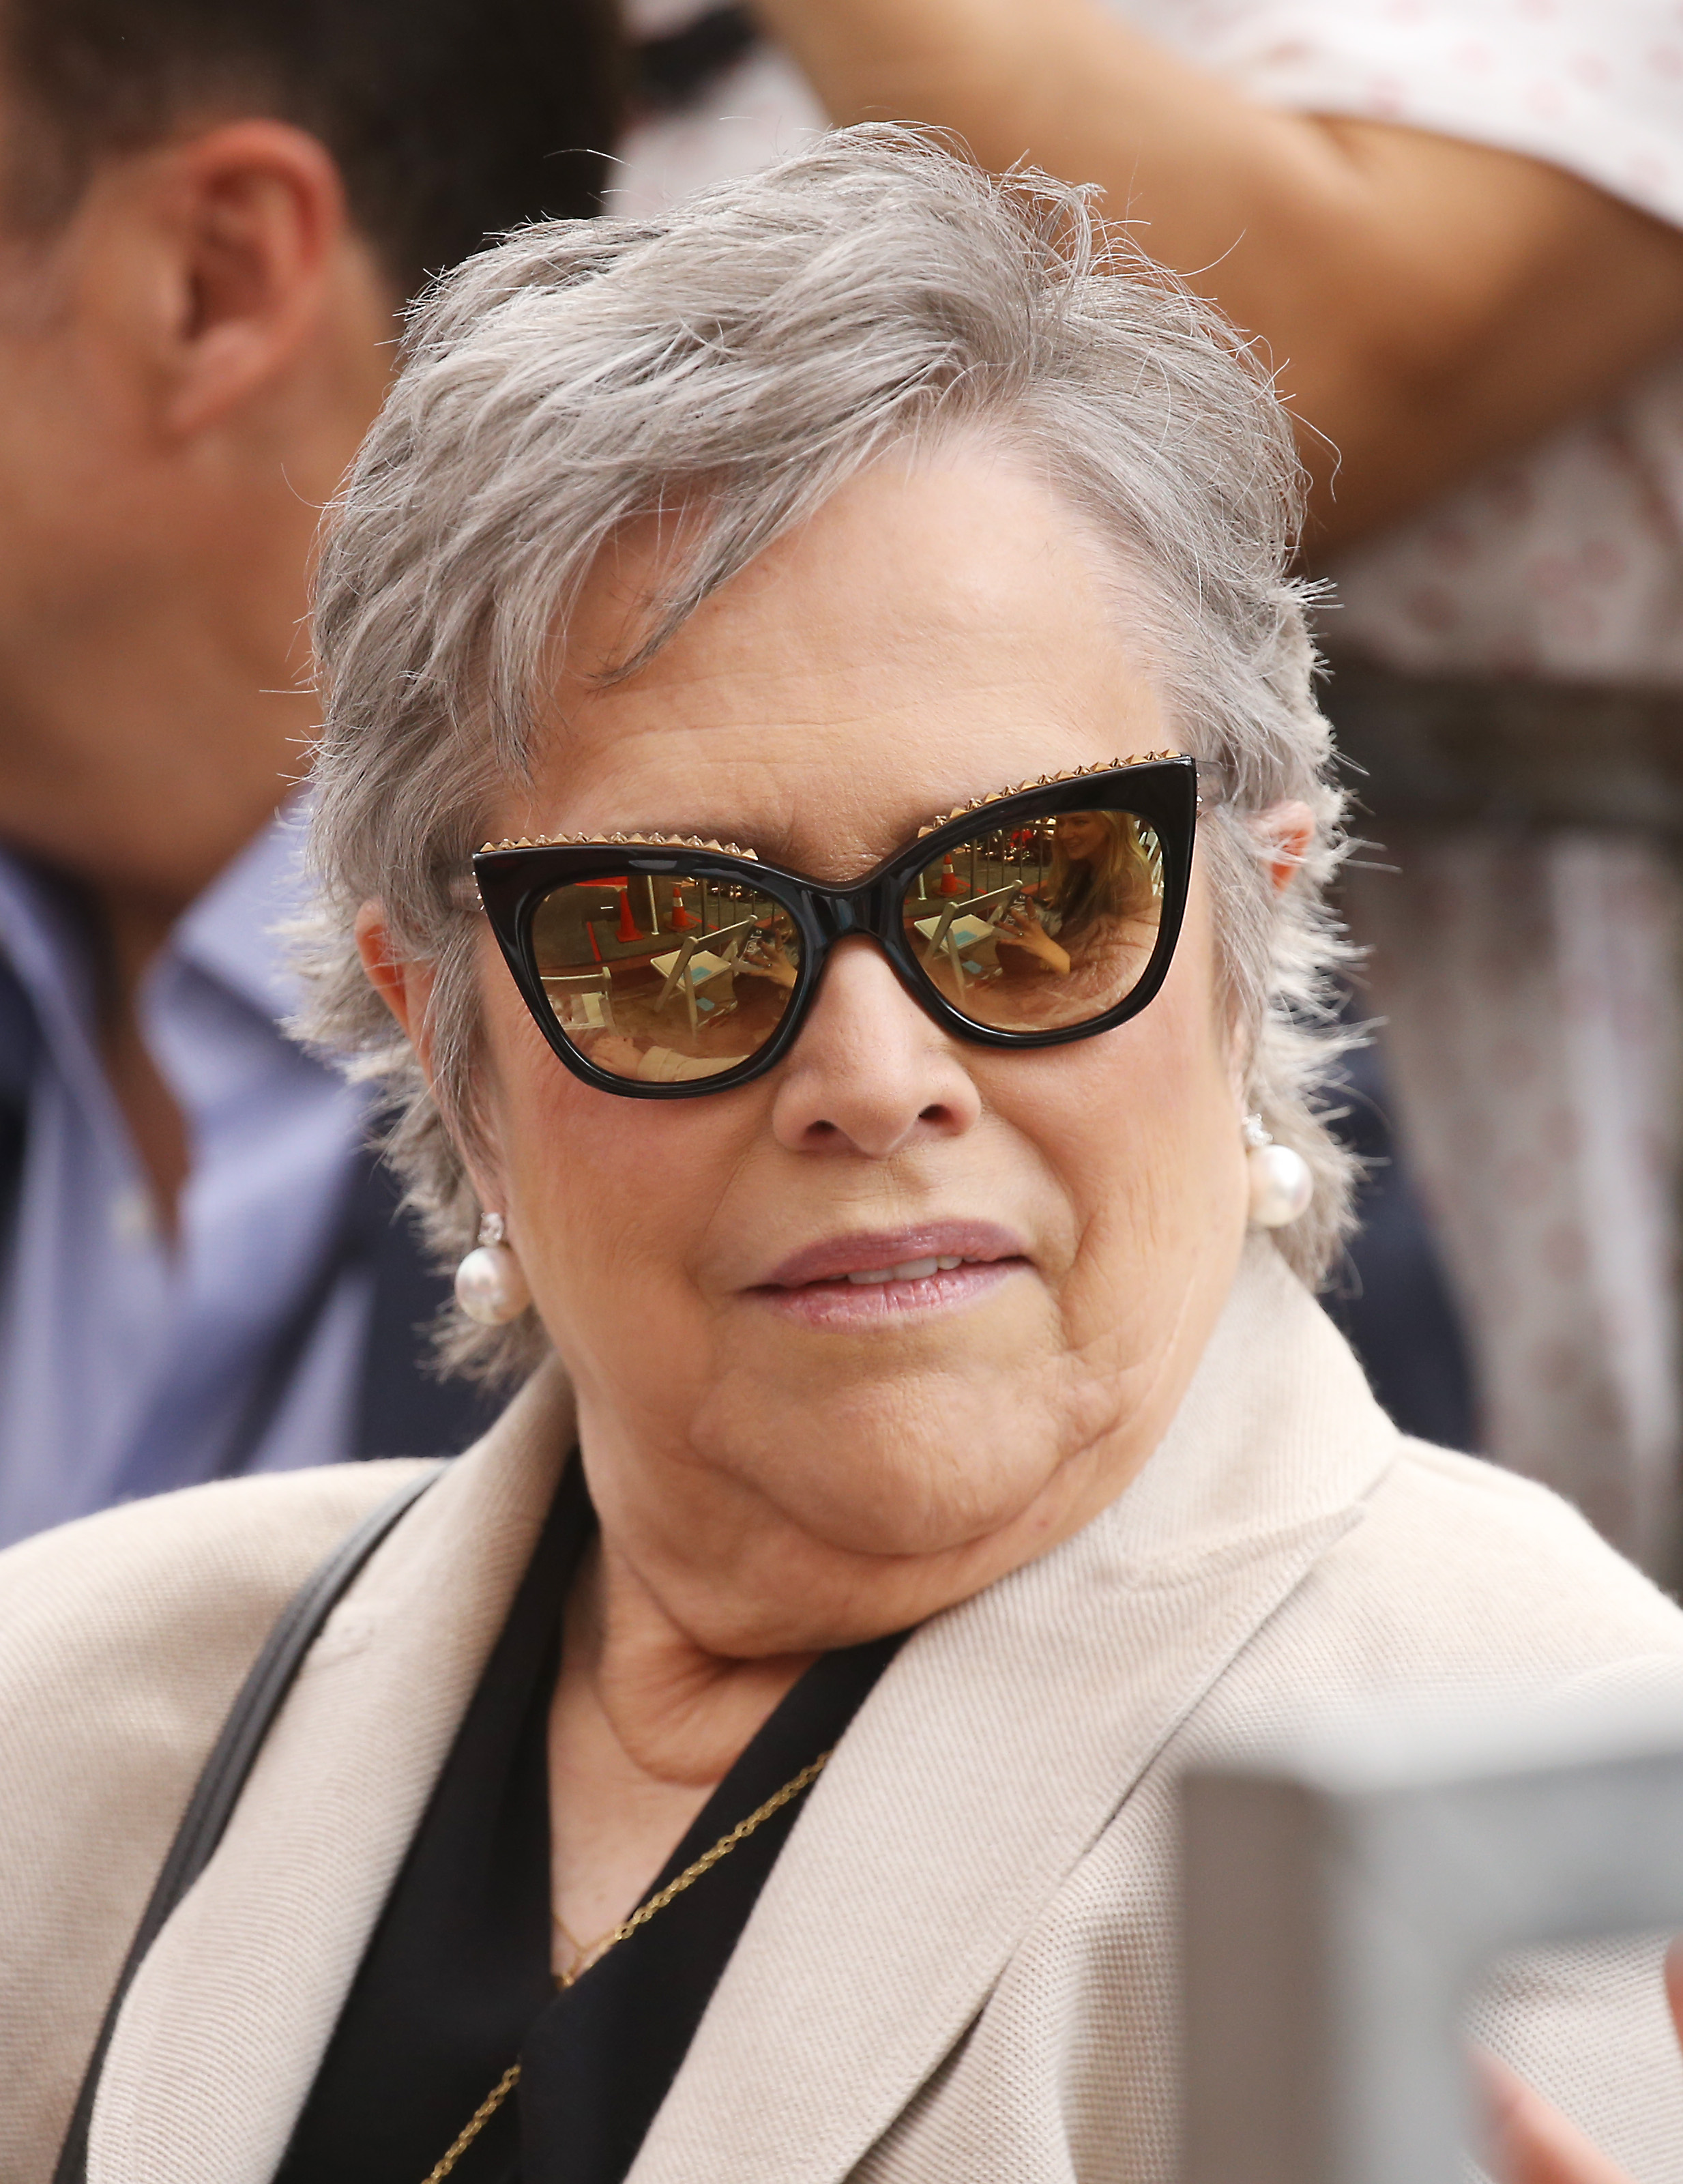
{"points": [[664, 980], [1043, 926]]}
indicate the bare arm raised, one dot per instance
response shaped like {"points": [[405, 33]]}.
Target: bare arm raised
{"points": [[1431, 303]]}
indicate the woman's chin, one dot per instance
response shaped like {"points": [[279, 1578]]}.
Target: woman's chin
{"points": [[895, 1495]]}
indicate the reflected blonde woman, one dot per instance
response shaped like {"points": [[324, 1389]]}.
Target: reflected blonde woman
{"points": [[1100, 884]]}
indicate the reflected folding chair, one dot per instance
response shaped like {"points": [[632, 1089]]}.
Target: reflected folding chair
{"points": [[944, 940], [680, 972], [583, 1000]]}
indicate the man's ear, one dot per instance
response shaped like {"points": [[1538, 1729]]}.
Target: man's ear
{"points": [[405, 987], [246, 223], [1285, 832]]}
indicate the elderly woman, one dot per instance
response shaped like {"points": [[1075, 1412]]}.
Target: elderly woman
{"points": [[753, 1761]]}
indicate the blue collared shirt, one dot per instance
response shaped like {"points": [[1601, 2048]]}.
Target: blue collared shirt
{"points": [[129, 1364]]}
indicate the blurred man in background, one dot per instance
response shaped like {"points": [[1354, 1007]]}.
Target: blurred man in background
{"points": [[210, 212]]}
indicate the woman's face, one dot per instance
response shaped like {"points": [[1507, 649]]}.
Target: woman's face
{"points": [[792, 1455], [1081, 835]]}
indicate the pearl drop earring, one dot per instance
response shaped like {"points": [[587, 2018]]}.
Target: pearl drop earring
{"points": [[1282, 1183], [491, 1284]]}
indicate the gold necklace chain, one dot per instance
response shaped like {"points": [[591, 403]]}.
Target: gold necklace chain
{"points": [[644, 1912], [581, 1950]]}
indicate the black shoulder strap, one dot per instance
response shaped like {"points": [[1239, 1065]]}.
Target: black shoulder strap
{"points": [[231, 1758]]}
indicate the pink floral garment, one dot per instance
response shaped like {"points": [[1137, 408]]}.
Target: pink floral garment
{"points": [[1533, 986]]}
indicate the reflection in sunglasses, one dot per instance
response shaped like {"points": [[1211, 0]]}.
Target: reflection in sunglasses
{"points": [[1041, 927], [1046, 926], [645, 981]]}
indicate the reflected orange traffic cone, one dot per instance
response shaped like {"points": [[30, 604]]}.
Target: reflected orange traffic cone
{"points": [[682, 920], [951, 881], [628, 924]]}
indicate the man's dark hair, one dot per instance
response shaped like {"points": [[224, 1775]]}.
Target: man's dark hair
{"points": [[450, 119]]}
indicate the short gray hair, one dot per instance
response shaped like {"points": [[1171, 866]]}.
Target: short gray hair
{"points": [[741, 357]]}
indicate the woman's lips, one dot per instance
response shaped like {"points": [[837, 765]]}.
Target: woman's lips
{"points": [[885, 1274]]}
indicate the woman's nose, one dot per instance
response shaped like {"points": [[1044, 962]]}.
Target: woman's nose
{"points": [[870, 1073]]}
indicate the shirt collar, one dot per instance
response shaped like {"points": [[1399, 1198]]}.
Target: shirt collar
{"points": [[230, 932], [45, 950]]}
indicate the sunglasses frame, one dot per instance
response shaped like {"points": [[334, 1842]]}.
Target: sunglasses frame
{"points": [[514, 877]]}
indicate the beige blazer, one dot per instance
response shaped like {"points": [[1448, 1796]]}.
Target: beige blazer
{"points": [[960, 1969]]}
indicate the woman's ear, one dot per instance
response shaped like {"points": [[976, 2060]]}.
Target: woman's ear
{"points": [[1286, 834], [405, 987]]}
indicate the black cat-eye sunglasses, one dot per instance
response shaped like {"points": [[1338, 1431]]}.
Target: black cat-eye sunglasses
{"points": [[661, 969]]}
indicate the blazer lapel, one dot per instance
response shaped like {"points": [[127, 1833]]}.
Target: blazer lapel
{"points": [[999, 1744], [223, 2031]]}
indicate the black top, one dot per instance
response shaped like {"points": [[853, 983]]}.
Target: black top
{"points": [[456, 1981]]}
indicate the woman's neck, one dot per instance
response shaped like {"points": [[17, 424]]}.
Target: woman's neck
{"points": [[644, 1725]]}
